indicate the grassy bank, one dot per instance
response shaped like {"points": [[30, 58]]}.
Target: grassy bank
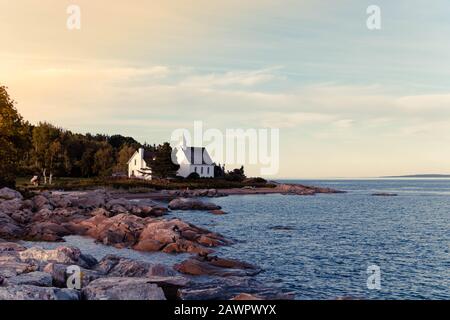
{"points": [[137, 185]]}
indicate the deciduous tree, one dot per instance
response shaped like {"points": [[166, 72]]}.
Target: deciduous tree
{"points": [[12, 142]]}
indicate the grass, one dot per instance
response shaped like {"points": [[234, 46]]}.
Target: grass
{"points": [[137, 185]]}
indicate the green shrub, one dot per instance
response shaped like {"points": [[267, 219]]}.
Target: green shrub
{"points": [[193, 176]]}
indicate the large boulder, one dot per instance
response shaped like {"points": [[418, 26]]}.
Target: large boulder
{"points": [[44, 214], [169, 285], [41, 202], [60, 200], [119, 205], [175, 235], [148, 245], [121, 231], [10, 206], [9, 194], [46, 231], [59, 274], [215, 266], [225, 288], [163, 276], [10, 266], [102, 212], [146, 234], [36, 278], [145, 211], [186, 246], [22, 216], [116, 266], [30, 292], [6, 247], [123, 289], [9, 229], [192, 204], [164, 232], [143, 208], [64, 255], [90, 199]]}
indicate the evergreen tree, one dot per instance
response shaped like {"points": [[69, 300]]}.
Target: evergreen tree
{"points": [[162, 166]]}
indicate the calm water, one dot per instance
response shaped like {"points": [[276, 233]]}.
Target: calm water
{"points": [[332, 239], [319, 247]]}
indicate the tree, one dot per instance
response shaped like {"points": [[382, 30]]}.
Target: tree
{"points": [[162, 166], [55, 158], [104, 161], [12, 142], [87, 162], [118, 141], [124, 154], [48, 151], [193, 176], [219, 171], [236, 174]]}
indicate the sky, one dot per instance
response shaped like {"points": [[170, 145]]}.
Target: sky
{"points": [[348, 101]]}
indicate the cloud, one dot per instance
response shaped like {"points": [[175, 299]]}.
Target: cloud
{"points": [[344, 123], [71, 94], [425, 103], [232, 78], [290, 120], [105, 72]]}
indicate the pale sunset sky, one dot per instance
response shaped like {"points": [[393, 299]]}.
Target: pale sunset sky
{"points": [[349, 102]]}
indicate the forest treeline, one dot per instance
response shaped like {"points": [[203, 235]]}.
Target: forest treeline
{"points": [[48, 150]]}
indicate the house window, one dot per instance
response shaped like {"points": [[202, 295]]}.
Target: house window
{"points": [[207, 170], [195, 169], [202, 170], [135, 162]]}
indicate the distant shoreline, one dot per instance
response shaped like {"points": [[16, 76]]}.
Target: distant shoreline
{"points": [[421, 176]]}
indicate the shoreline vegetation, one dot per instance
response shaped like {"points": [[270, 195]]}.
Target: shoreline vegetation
{"points": [[134, 187], [44, 153], [141, 185]]}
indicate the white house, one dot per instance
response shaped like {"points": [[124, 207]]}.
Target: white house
{"points": [[194, 159], [137, 165], [190, 159]]}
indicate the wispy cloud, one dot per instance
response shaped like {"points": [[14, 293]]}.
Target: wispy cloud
{"points": [[246, 78]]}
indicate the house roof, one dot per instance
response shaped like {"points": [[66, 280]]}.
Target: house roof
{"points": [[197, 155], [148, 156]]}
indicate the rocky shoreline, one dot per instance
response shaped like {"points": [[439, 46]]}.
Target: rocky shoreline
{"points": [[38, 274], [279, 188]]}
